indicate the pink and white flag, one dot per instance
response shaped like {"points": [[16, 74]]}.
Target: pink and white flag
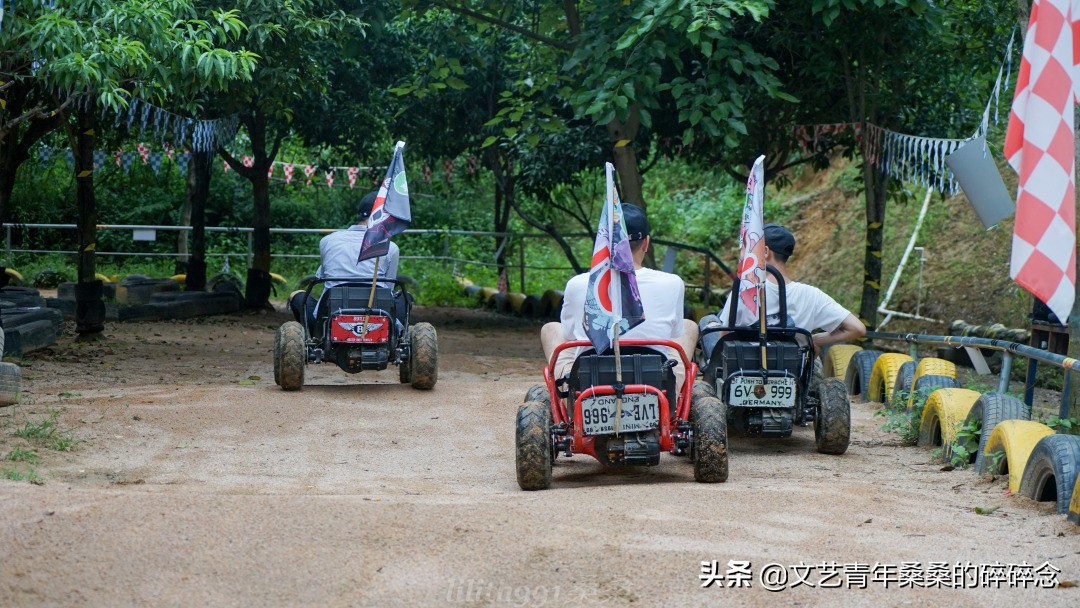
{"points": [[330, 179], [309, 170], [353, 172], [1039, 146], [752, 248]]}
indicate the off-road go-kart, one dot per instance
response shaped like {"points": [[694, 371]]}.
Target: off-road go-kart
{"points": [[358, 337], [767, 400], [578, 414]]}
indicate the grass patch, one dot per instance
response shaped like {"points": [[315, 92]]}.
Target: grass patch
{"points": [[47, 432], [15, 474], [22, 455]]}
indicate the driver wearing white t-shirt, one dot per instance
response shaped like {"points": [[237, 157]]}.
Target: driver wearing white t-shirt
{"points": [[661, 297], [808, 307]]}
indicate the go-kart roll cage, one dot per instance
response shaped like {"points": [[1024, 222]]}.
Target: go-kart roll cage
{"points": [[682, 413], [398, 284]]}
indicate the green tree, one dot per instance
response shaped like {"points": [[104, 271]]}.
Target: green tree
{"points": [[92, 55], [301, 44]]}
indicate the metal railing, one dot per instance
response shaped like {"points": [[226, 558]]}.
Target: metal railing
{"points": [[1008, 351], [709, 258]]}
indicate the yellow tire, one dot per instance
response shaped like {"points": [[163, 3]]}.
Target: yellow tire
{"points": [[944, 415], [1016, 439], [485, 294], [837, 359], [932, 366], [516, 300], [277, 278], [105, 279], [700, 311], [15, 274], [179, 278], [463, 282], [551, 303], [883, 376]]}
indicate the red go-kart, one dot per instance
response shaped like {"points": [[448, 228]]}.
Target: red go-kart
{"points": [[578, 414]]}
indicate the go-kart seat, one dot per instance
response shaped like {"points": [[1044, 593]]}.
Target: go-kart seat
{"points": [[640, 365]]}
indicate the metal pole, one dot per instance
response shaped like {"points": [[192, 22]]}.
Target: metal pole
{"points": [[521, 262], [918, 293], [1006, 370], [7, 231], [251, 249]]}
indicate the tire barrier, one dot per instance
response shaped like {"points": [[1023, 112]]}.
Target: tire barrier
{"points": [[498, 302], [471, 291], [515, 300], [1051, 471], [14, 277], [836, 359], [1016, 439], [996, 331], [859, 369], [944, 415], [924, 387], [988, 411], [905, 378], [883, 376], [484, 294]]}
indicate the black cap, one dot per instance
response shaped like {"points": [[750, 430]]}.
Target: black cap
{"points": [[363, 210], [637, 225], [779, 239]]}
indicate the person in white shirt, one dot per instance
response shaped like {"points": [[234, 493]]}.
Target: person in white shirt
{"points": [[337, 259], [661, 297], [808, 307]]}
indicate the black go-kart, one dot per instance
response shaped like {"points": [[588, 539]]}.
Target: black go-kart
{"points": [[358, 337], [768, 400]]}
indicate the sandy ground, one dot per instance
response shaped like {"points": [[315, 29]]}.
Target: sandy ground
{"points": [[195, 481]]}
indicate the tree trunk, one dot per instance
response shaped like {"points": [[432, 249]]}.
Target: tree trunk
{"points": [[89, 305], [259, 284], [876, 191], [622, 136], [198, 190]]}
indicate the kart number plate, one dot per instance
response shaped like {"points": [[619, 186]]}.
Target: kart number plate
{"points": [[749, 391], [350, 329], [640, 412]]}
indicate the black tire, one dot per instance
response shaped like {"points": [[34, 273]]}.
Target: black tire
{"points": [[709, 447], [538, 392], [832, 424], [701, 389], [292, 356], [423, 356], [10, 383], [988, 411], [532, 455], [904, 378], [1050, 474], [531, 307], [859, 370], [926, 385]]}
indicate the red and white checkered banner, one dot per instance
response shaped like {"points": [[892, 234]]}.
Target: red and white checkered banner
{"points": [[1039, 144], [309, 170], [288, 173], [144, 153], [248, 161], [353, 172], [330, 179]]}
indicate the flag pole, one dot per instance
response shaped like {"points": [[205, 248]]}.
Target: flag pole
{"points": [[618, 377], [762, 333], [371, 298]]}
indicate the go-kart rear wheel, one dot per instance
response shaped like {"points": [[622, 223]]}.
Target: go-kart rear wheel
{"points": [[533, 446], [291, 356], [832, 424], [538, 392], [709, 447], [423, 356]]}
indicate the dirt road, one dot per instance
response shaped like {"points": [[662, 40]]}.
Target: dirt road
{"points": [[195, 481]]}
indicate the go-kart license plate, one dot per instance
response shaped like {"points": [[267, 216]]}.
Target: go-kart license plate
{"points": [[748, 391], [351, 329], [640, 412]]}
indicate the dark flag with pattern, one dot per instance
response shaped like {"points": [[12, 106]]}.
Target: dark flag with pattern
{"points": [[390, 215]]}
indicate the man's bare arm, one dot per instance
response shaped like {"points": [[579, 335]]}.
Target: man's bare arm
{"points": [[851, 328]]}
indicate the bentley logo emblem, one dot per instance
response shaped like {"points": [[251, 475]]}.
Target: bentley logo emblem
{"points": [[357, 329]]}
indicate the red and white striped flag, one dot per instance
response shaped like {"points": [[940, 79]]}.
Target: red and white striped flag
{"points": [[1039, 146]]}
